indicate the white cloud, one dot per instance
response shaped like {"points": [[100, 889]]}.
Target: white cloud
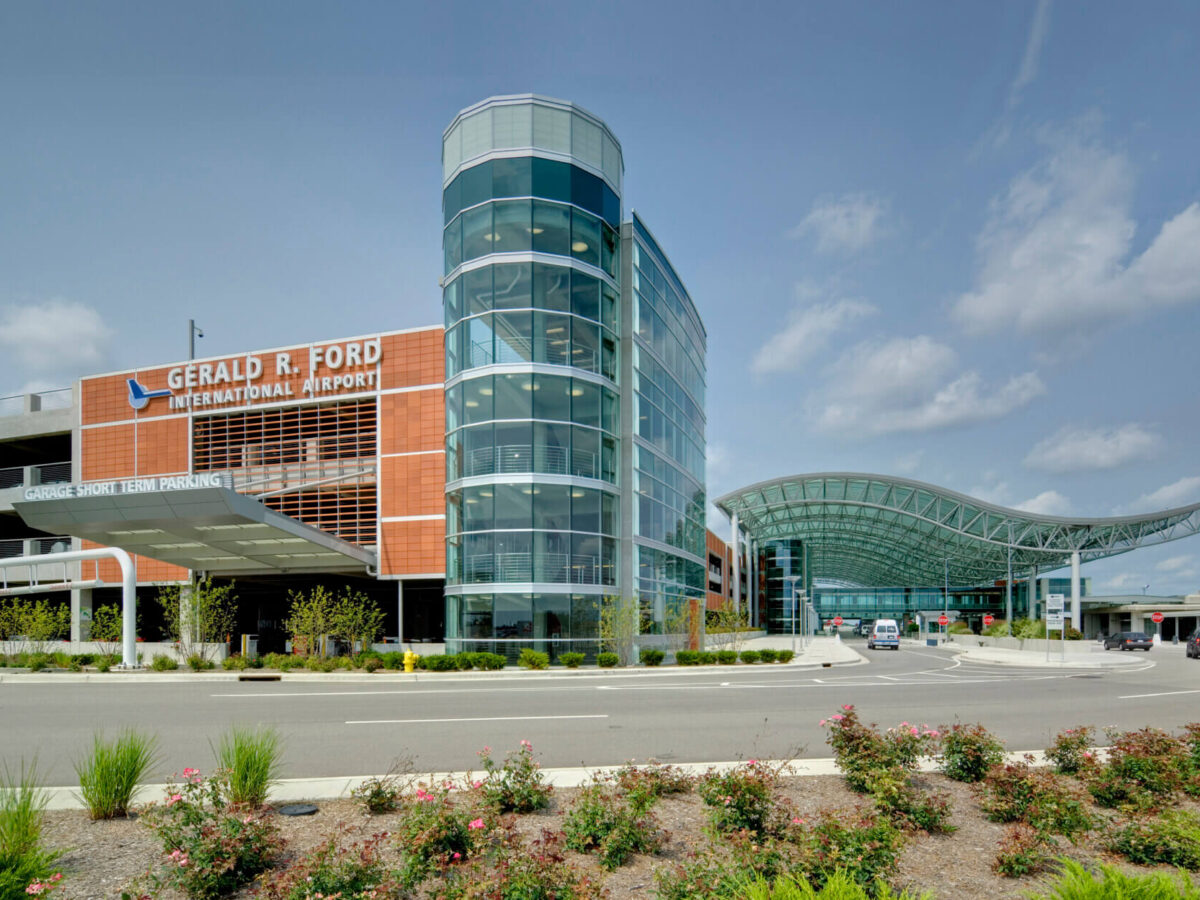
{"points": [[1175, 563], [1055, 251], [808, 330], [992, 489], [1080, 449], [846, 225], [54, 341], [912, 385], [1039, 28], [1047, 503], [1178, 493], [1126, 582], [909, 463]]}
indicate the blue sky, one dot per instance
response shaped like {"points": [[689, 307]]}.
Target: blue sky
{"points": [[958, 242]]}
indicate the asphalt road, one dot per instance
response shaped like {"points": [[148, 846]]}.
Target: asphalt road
{"points": [[693, 715]]}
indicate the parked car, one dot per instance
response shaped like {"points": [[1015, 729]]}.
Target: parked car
{"points": [[1193, 644], [884, 633], [1128, 640]]}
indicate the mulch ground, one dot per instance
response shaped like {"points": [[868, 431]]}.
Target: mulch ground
{"points": [[103, 857]]}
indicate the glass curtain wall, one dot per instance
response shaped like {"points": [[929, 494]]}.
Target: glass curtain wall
{"points": [[668, 345], [531, 297]]}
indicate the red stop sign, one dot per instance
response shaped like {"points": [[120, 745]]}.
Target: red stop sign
{"points": [[988, 619], [943, 620], [1156, 618], [837, 620]]}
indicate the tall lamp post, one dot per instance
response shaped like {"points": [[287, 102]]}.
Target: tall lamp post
{"points": [[793, 579], [194, 331]]}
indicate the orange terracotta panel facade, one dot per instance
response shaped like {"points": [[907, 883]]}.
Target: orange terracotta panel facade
{"points": [[720, 571], [413, 548], [289, 416]]}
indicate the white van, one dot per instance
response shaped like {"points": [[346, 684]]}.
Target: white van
{"points": [[885, 633]]}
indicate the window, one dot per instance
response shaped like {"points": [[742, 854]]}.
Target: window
{"points": [[585, 296], [513, 227], [552, 287], [478, 237], [551, 228], [513, 284], [585, 238], [452, 243], [514, 396]]}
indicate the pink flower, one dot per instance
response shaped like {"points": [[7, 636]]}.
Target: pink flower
{"points": [[913, 731], [754, 762], [822, 723], [797, 821], [456, 855], [526, 745], [476, 784], [475, 823], [188, 773], [837, 717], [173, 799], [1087, 755], [35, 888], [246, 821], [847, 707], [57, 876]]}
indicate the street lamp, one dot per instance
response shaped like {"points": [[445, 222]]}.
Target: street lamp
{"points": [[194, 331], [793, 579]]}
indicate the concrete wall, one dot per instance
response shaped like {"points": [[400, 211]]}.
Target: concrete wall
{"points": [[147, 649], [1009, 643]]}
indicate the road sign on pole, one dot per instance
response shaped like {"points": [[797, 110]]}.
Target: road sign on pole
{"points": [[943, 620], [1055, 604], [837, 621], [988, 620], [1157, 618]]}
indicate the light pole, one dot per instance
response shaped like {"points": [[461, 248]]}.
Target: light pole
{"points": [[194, 331], [793, 579]]}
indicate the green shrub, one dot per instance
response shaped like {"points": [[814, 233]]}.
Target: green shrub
{"points": [[839, 887], [382, 794], [998, 628], [653, 780], [607, 660], [1017, 792], [611, 825], [392, 660], [440, 662], [707, 658], [969, 751], [533, 659], [1074, 882], [741, 797], [372, 664], [518, 870], [727, 657], [861, 752], [198, 663], [465, 660], [317, 664], [331, 871], [212, 845], [251, 759], [163, 663], [1071, 751], [784, 656], [1145, 768], [649, 657], [1021, 853], [235, 663], [687, 658], [104, 663], [23, 860], [909, 806], [571, 660], [1172, 838], [110, 775], [490, 661], [751, 656], [517, 784], [862, 847], [768, 655], [958, 627]]}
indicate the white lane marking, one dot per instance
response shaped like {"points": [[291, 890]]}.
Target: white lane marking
{"points": [[475, 719], [1163, 694], [890, 677]]}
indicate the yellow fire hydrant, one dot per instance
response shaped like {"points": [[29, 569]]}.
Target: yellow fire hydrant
{"points": [[410, 660]]}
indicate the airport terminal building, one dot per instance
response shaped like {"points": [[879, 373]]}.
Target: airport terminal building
{"points": [[489, 480]]}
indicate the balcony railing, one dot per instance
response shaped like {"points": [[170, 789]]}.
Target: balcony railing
{"points": [[39, 401], [512, 458], [29, 476], [556, 568], [14, 547]]}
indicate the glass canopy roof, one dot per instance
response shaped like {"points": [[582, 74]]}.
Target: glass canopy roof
{"points": [[876, 530]]}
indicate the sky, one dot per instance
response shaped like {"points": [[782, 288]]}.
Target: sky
{"points": [[954, 242]]}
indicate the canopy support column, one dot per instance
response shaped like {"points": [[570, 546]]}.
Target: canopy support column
{"points": [[736, 569], [1076, 610]]}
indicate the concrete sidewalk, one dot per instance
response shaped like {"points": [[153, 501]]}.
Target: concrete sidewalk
{"points": [[1098, 659]]}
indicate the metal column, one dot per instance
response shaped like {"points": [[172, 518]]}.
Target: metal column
{"points": [[1076, 604], [736, 568], [1008, 610]]}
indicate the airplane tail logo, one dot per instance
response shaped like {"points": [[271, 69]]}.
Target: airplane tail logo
{"points": [[139, 397]]}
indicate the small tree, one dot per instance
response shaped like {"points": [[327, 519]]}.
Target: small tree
{"points": [[727, 625], [37, 622], [203, 616], [107, 628], [356, 619], [618, 627], [310, 618], [681, 623]]}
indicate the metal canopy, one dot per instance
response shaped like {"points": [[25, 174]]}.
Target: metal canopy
{"points": [[875, 530], [211, 529]]}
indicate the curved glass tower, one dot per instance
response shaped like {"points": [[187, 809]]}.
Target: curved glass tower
{"points": [[532, 203]]}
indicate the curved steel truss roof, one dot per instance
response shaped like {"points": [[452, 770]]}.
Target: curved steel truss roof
{"points": [[882, 531]]}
